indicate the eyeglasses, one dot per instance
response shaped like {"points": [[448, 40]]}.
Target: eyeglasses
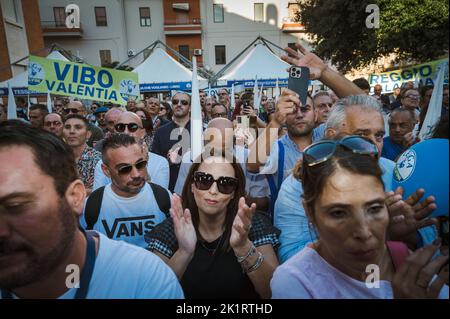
{"points": [[74, 111], [132, 127], [225, 185], [322, 151], [413, 96], [126, 169], [183, 102]]}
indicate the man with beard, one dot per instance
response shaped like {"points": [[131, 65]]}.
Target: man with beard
{"points": [[157, 166], [280, 156], [173, 139], [129, 206], [41, 200]]}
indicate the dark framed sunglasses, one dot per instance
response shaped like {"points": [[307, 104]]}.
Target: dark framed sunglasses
{"points": [[68, 110], [225, 184], [322, 151], [132, 127], [126, 169], [183, 102]]}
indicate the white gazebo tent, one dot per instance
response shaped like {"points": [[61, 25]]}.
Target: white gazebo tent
{"points": [[160, 72], [259, 63]]}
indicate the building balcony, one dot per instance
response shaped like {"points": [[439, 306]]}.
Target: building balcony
{"points": [[291, 26], [59, 29], [182, 26]]}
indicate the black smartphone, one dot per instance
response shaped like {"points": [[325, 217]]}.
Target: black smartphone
{"points": [[298, 81]]}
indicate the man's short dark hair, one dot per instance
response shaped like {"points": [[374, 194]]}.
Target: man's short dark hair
{"points": [[362, 83], [116, 140], [79, 117], [411, 113], [41, 107], [54, 157]]}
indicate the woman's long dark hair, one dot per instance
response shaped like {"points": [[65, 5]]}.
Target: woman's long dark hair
{"points": [[188, 200]]}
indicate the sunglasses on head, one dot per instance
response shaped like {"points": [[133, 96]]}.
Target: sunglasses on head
{"points": [[74, 111], [126, 169], [322, 151], [183, 102], [132, 127], [225, 185]]}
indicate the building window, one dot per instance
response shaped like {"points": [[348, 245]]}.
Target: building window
{"points": [[259, 12], [293, 8], [144, 14], [184, 51], [218, 13], [100, 17], [105, 57], [220, 54], [60, 16]]}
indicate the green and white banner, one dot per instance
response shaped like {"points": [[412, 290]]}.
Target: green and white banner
{"points": [[82, 81], [423, 74]]}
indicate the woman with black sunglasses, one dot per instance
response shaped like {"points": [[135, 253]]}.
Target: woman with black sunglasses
{"points": [[346, 206], [217, 245]]}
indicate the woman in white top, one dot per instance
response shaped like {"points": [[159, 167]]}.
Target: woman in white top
{"points": [[345, 202]]}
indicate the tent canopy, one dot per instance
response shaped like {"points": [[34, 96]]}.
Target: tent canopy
{"points": [[21, 79], [259, 63], [161, 72]]}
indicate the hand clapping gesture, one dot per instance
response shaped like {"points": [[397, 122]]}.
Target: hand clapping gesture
{"points": [[183, 227], [241, 225], [407, 216], [420, 276]]}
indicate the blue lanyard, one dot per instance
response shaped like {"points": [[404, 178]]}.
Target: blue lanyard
{"points": [[86, 274]]}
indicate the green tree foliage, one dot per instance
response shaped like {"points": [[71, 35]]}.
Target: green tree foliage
{"points": [[412, 29]]}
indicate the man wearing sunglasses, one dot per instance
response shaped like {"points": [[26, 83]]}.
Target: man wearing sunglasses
{"points": [[174, 137], [77, 107], [158, 168], [355, 115], [129, 206], [53, 122]]}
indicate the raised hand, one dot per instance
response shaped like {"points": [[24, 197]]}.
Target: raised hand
{"points": [[183, 227], [409, 215], [286, 104], [415, 277], [241, 226], [305, 58]]}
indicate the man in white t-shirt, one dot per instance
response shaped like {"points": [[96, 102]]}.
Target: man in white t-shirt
{"points": [[43, 252], [127, 208], [158, 167]]}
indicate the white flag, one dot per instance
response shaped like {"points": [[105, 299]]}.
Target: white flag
{"points": [[196, 115], [232, 99], [435, 107], [277, 91], [255, 94], [12, 107], [49, 103]]}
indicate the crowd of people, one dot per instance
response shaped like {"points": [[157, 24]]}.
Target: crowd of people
{"points": [[299, 207]]}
